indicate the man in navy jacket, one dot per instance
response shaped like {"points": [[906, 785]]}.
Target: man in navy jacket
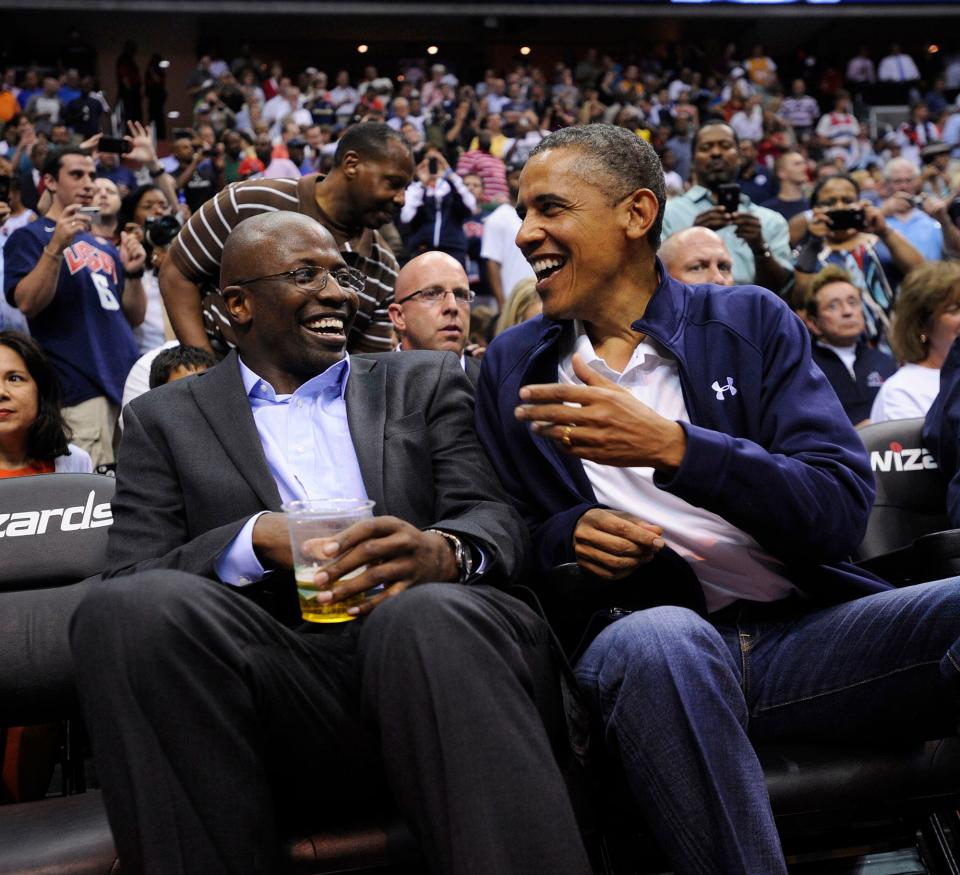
{"points": [[641, 416]]}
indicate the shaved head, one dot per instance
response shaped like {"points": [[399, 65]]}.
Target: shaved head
{"points": [[418, 272], [281, 281], [440, 324], [697, 255], [257, 245]]}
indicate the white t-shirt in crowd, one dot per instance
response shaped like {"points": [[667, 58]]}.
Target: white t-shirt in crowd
{"points": [[76, 461], [728, 562], [846, 354], [499, 244], [150, 332], [138, 380], [908, 394]]}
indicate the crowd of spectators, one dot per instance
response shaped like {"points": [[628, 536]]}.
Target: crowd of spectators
{"points": [[299, 215], [751, 151]]}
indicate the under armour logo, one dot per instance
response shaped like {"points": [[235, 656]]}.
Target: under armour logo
{"points": [[720, 390]]}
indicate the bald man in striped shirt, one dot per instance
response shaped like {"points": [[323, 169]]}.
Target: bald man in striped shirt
{"points": [[364, 190]]}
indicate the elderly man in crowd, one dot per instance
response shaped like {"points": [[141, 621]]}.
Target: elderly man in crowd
{"points": [[444, 688], [922, 219], [432, 307], [757, 237], [833, 311], [697, 255], [643, 418], [365, 189]]}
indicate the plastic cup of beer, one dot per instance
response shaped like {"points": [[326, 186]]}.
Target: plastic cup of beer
{"points": [[322, 518]]}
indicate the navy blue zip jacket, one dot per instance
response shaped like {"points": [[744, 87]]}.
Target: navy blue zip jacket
{"points": [[769, 447]]}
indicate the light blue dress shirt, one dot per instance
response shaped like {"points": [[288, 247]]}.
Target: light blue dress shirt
{"points": [[309, 451], [682, 210], [923, 231]]}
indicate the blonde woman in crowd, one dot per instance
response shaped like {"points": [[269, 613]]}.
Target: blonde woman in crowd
{"points": [[926, 324]]}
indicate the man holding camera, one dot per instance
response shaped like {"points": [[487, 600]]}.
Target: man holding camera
{"points": [[195, 173], [922, 219], [81, 296], [757, 237]]}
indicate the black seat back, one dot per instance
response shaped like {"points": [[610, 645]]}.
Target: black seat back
{"points": [[53, 529], [911, 494]]}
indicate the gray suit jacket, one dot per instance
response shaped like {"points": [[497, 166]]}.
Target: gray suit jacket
{"points": [[192, 470]]}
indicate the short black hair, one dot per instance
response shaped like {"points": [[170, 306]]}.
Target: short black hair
{"points": [[168, 360], [370, 140], [815, 194], [48, 435], [627, 161], [55, 159], [717, 123]]}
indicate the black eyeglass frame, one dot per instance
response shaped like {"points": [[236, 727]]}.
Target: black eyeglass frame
{"points": [[289, 276]]}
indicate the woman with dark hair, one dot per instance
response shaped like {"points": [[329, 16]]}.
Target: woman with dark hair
{"points": [[33, 436], [33, 440], [143, 203], [142, 207], [852, 234]]}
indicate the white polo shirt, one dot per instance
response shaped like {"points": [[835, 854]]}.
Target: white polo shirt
{"points": [[728, 562]]}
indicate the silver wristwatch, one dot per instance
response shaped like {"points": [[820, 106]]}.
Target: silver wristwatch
{"points": [[461, 554]]}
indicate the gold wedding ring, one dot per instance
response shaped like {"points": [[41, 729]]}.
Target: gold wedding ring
{"points": [[566, 435]]}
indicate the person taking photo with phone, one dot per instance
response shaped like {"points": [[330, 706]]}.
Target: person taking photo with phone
{"points": [[757, 238], [437, 204], [81, 295], [847, 231]]}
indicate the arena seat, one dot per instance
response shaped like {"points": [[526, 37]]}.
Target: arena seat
{"points": [[54, 533], [831, 797], [824, 796]]}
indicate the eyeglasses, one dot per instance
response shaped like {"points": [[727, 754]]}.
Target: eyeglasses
{"points": [[435, 296], [313, 279]]}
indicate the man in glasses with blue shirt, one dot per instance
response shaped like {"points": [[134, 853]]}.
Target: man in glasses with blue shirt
{"points": [[217, 716], [431, 308]]}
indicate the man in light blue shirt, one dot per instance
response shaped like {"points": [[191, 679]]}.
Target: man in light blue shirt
{"points": [[930, 228], [757, 238], [444, 696]]}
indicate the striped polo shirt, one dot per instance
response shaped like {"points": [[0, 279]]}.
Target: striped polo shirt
{"points": [[198, 248]]}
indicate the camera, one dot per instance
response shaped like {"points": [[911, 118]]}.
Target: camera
{"points": [[161, 230], [4, 189], [842, 220]]}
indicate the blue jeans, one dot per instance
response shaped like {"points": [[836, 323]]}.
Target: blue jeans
{"points": [[681, 698]]}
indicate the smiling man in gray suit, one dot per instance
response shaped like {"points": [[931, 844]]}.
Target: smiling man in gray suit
{"points": [[213, 714]]}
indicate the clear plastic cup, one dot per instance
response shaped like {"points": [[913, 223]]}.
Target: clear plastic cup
{"points": [[322, 518]]}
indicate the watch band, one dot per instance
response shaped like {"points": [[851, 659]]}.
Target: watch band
{"points": [[461, 554]]}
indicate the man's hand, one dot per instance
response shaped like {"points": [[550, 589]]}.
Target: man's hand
{"points": [[749, 231], [612, 544], [392, 552], [4, 212], [898, 202], [142, 143], [715, 218], [68, 226], [132, 254], [609, 426], [91, 143], [271, 541]]}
